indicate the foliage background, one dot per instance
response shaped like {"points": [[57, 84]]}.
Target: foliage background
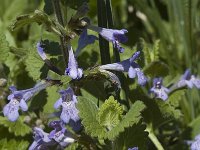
{"points": [[170, 31]]}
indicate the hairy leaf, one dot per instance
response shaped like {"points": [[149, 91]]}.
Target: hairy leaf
{"points": [[134, 136], [38, 17], [110, 113], [88, 112], [18, 127], [4, 48], [52, 97], [34, 65], [13, 144], [132, 117]]}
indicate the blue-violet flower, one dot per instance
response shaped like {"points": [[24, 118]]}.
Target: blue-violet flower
{"points": [[84, 40], [60, 134], [189, 80], [129, 66], [68, 102], [18, 100], [41, 140], [72, 70], [112, 35], [40, 51], [134, 148], [195, 144], [159, 90]]}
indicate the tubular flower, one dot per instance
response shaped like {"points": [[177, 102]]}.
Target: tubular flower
{"points": [[41, 140], [18, 99], [72, 70], [159, 90], [129, 66], [84, 40], [60, 134], [189, 80], [195, 144], [68, 102], [112, 35], [40, 51]]}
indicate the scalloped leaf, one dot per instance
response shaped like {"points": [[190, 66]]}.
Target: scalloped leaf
{"points": [[88, 113], [52, 97], [13, 143], [19, 128], [132, 117], [4, 48], [169, 111], [176, 97], [110, 113], [39, 17], [135, 136], [35, 65]]}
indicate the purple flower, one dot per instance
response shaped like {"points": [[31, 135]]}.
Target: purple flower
{"points": [[41, 140], [72, 70], [195, 144], [129, 66], [84, 40], [60, 134], [188, 80], [112, 35], [134, 148], [159, 90], [18, 100], [68, 102], [40, 51]]}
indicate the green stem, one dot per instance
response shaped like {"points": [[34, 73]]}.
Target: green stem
{"points": [[63, 38], [154, 139]]}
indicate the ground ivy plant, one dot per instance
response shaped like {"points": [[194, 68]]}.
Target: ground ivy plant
{"points": [[71, 100]]}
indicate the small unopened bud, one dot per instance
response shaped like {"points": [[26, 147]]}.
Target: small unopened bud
{"points": [[27, 119], [3, 82], [38, 122]]}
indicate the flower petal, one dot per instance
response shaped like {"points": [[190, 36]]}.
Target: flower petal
{"points": [[23, 105], [58, 103]]}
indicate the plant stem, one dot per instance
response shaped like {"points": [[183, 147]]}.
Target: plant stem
{"points": [[63, 38], [110, 25], [153, 138], [102, 22]]}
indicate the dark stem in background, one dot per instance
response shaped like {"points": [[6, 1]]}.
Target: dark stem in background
{"points": [[110, 25], [63, 38], [102, 22], [116, 55]]}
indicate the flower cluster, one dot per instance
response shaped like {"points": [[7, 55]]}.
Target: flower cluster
{"points": [[18, 99], [58, 136]]}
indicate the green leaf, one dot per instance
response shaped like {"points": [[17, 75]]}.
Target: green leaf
{"points": [[52, 97], [134, 136], [13, 144], [156, 68], [155, 54], [88, 113], [4, 48], [176, 97], [110, 113], [72, 146], [132, 117], [169, 111], [38, 17], [18, 127], [35, 65]]}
